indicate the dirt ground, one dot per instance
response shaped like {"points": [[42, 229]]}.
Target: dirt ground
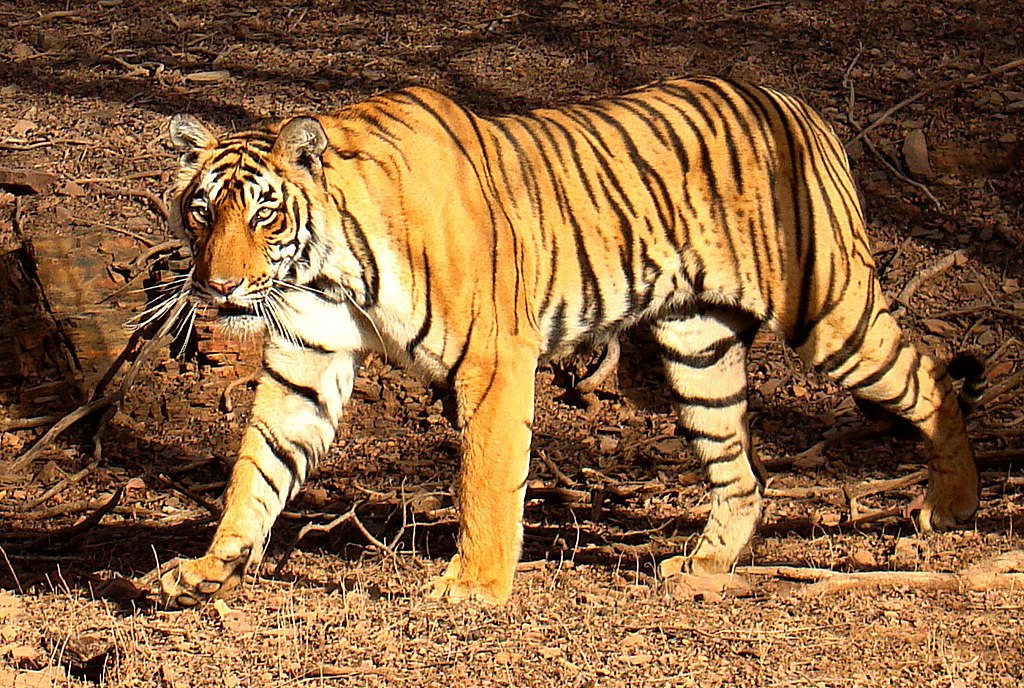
{"points": [[85, 93]]}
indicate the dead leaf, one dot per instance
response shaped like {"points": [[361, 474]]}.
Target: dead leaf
{"points": [[672, 566], [135, 484], [1000, 369], [233, 620], [831, 518], [907, 552], [810, 458], [44, 678], [119, 590], [21, 654], [22, 127], [211, 77], [168, 677], [11, 605], [711, 588], [939, 327], [863, 559], [669, 447], [636, 660], [70, 188], [915, 152], [22, 51]]}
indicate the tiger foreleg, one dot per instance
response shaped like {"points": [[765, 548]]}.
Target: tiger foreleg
{"points": [[298, 403], [496, 409], [704, 357]]}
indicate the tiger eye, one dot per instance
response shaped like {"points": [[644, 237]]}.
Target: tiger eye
{"points": [[264, 214]]}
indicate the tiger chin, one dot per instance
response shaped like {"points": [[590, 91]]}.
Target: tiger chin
{"points": [[473, 249]]}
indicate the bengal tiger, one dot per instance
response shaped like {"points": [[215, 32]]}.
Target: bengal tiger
{"points": [[473, 249]]}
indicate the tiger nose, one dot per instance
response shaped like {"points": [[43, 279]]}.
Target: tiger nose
{"points": [[223, 287]]}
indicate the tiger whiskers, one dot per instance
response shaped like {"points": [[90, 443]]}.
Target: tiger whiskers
{"points": [[167, 296], [269, 310], [186, 324]]}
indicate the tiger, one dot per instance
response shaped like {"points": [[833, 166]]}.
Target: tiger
{"points": [[473, 249]]}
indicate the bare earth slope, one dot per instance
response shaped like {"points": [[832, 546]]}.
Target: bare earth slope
{"points": [[85, 92]]}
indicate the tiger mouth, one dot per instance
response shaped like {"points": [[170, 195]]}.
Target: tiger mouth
{"points": [[233, 310]]}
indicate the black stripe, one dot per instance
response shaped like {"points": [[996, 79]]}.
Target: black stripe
{"points": [[854, 342], [884, 369], [704, 358], [722, 402], [695, 434], [310, 394], [428, 313], [278, 449], [266, 478], [359, 245]]}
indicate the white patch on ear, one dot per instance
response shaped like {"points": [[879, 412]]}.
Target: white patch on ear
{"points": [[190, 136], [302, 142]]}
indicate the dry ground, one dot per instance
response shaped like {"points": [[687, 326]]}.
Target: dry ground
{"points": [[85, 90]]}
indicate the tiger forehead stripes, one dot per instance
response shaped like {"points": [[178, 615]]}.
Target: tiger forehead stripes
{"points": [[472, 248]]}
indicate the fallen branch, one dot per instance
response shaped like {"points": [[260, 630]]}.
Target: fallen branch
{"points": [[226, 402], [202, 501], [555, 470], [60, 486], [938, 268], [811, 457], [29, 423], [608, 363], [999, 572], [896, 172], [89, 521]]}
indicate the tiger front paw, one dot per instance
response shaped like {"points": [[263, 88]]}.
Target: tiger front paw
{"points": [[455, 586], [197, 580]]}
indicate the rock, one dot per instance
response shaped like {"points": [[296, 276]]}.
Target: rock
{"points": [[915, 153], [26, 181]]}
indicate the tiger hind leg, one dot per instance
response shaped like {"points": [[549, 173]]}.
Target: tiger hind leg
{"points": [[866, 353], [704, 355]]}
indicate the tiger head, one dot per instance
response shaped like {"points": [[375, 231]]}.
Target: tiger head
{"points": [[245, 203]]}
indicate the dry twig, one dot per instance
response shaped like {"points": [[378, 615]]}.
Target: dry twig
{"points": [[226, 402], [854, 493], [349, 515], [941, 266], [609, 361], [555, 470]]}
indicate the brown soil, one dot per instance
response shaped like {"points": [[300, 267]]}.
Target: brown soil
{"points": [[85, 91]]}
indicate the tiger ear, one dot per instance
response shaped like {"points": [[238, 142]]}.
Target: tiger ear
{"points": [[302, 142], [190, 136]]}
